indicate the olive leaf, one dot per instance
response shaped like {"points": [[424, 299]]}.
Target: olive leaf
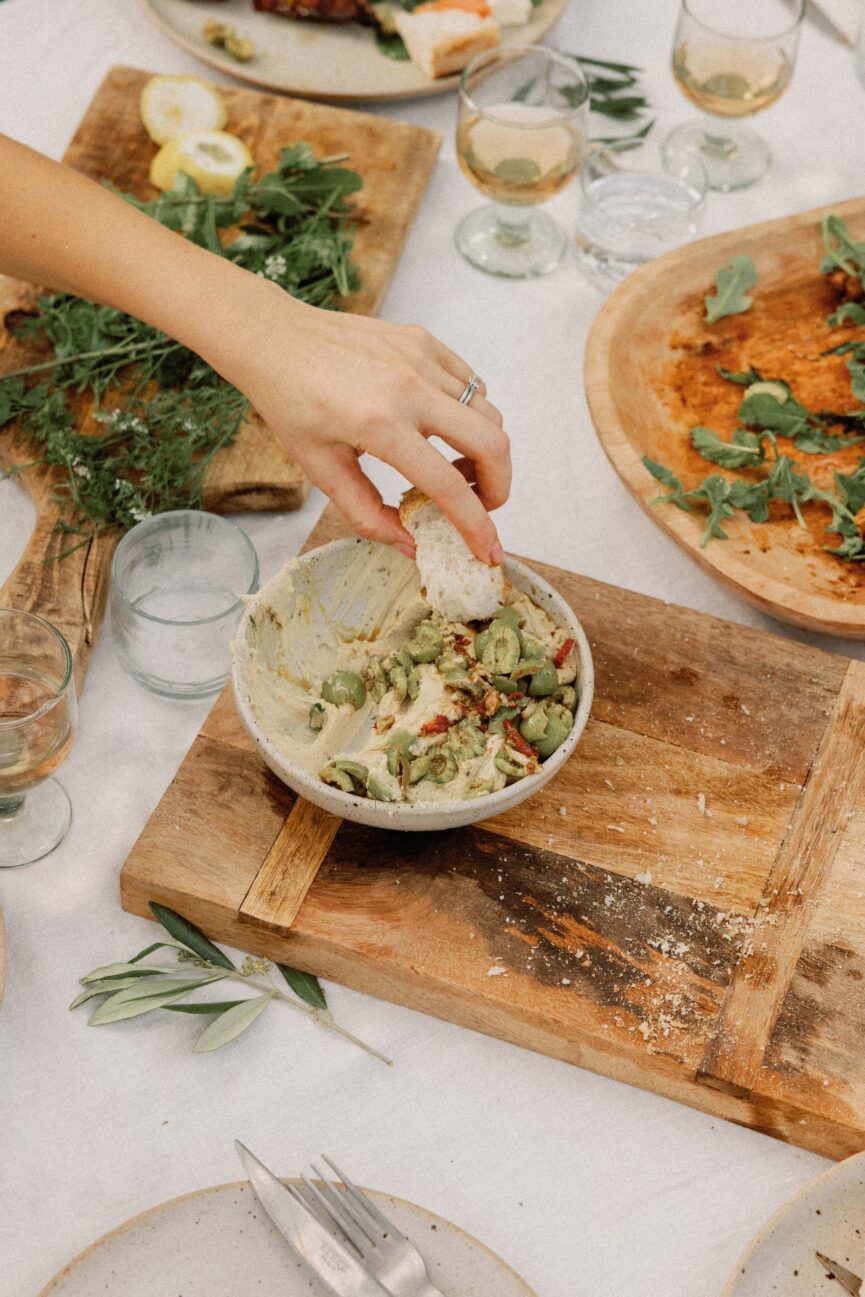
{"points": [[731, 286], [118, 1007], [190, 936], [231, 1023], [304, 985], [204, 1006]]}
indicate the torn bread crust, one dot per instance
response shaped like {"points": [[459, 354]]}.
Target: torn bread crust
{"points": [[457, 584]]}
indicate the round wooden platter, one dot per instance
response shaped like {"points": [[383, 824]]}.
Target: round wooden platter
{"points": [[338, 62], [642, 402]]}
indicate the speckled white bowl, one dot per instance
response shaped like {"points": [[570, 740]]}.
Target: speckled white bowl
{"points": [[326, 565]]}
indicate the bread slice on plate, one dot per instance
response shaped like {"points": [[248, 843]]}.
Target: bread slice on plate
{"points": [[442, 39], [456, 583]]}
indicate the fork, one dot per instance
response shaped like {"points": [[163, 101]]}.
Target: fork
{"points": [[390, 1257]]}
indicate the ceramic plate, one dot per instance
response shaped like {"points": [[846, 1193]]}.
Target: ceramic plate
{"points": [[828, 1216], [315, 60], [220, 1243]]}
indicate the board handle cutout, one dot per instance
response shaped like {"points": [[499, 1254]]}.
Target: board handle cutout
{"points": [[289, 868]]}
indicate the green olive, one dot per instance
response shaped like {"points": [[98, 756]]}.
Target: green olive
{"points": [[505, 684], [531, 648], [337, 779], [509, 614], [344, 687], [399, 683], [375, 679], [397, 748], [566, 696], [414, 682], [418, 769], [502, 652], [535, 726], [545, 681], [425, 643], [497, 722], [379, 790], [354, 768], [452, 661], [442, 766], [478, 790], [481, 641], [509, 765], [317, 716], [528, 667], [559, 725]]}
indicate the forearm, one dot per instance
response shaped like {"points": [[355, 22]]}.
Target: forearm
{"points": [[65, 232]]}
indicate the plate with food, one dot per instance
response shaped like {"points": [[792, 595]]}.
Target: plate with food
{"points": [[411, 695], [344, 50], [726, 381], [220, 1241], [814, 1246]]}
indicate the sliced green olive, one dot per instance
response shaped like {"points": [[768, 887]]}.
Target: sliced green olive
{"points": [[545, 681], [534, 727], [357, 771], [399, 682], [418, 769], [317, 716], [509, 765], [531, 648], [560, 722], [509, 614], [528, 667], [566, 696], [481, 642], [344, 687], [505, 684], [478, 790], [337, 778], [379, 790], [502, 651], [451, 661], [497, 722], [414, 682], [375, 679], [466, 741], [442, 766], [425, 643]]}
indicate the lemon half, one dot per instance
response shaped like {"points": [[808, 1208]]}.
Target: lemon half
{"points": [[176, 105], [214, 160]]}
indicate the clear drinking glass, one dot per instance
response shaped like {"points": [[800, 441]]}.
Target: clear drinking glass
{"points": [[636, 202], [177, 581], [520, 140], [733, 58], [38, 715]]}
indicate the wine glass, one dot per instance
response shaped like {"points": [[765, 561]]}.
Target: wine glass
{"points": [[37, 725], [520, 140], [733, 58]]}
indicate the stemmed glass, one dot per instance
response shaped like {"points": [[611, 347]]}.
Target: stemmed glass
{"points": [[37, 725], [733, 58], [520, 140]]}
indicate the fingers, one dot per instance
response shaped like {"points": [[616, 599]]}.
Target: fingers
{"points": [[478, 439], [422, 464], [338, 473], [449, 361]]}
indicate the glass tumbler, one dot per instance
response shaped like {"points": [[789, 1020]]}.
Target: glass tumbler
{"points": [[38, 715], [177, 581], [636, 202], [521, 133]]}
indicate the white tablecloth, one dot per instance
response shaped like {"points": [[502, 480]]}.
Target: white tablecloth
{"points": [[584, 1185]]}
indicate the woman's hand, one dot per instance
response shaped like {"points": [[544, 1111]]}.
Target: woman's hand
{"points": [[333, 387]]}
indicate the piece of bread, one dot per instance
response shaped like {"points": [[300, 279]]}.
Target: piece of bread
{"points": [[442, 41], [511, 13], [456, 583]]}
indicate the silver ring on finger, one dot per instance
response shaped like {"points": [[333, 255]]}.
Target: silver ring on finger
{"points": [[472, 386]]}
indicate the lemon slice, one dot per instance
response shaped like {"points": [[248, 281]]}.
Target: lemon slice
{"points": [[172, 106], [214, 160]]}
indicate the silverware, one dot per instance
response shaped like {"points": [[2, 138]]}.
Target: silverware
{"points": [[846, 1278], [337, 1264], [387, 1254], [825, 23]]}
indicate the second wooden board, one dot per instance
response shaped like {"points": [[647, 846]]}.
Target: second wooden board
{"points": [[651, 374]]}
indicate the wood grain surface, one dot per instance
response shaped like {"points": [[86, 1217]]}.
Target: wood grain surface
{"points": [[396, 161], [651, 375], [682, 908]]}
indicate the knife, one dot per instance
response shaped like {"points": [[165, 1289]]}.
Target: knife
{"points": [[846, 1278], [334, 1262]]}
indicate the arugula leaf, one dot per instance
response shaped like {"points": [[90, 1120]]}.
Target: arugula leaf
{"points": [[745, 449], [856, 370], [715, 491], [852, 311], [842, 252], [752, 497], [749, 376], [765, 411], [731, 286], [814, 441], [786, 483], [667, 478]]}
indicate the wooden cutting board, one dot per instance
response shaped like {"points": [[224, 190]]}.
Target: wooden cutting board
{"points": [[682, 908], [650, 376], [396, 162]]}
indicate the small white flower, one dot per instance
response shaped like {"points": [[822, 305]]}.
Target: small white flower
{"points": [[275, 266], [81, 470], [140, 515]]}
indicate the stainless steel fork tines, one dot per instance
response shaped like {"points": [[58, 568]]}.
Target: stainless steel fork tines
{"points": [[389, 1256]]}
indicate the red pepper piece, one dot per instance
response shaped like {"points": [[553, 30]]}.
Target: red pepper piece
{"points": [[563, 652], [438, 725], [517, 741]]}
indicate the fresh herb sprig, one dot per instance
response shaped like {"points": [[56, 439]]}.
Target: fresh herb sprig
{"points": [[133, 988], [166, 412]]}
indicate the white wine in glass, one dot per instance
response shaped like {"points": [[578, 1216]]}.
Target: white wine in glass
{"points": [[520, 140], [733, 58]]}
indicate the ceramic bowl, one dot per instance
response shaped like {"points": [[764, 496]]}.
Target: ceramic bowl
{"points": [[324, 599]]}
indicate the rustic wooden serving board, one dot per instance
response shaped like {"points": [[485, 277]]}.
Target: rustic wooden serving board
{"points": [[395, 161], [651, 375], [682, 908]]}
